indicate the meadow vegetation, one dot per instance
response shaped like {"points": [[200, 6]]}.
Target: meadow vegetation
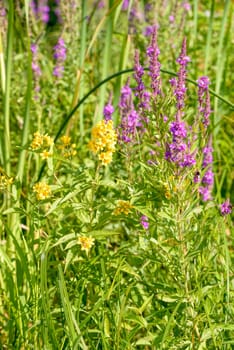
{"points": [[116, 175]]}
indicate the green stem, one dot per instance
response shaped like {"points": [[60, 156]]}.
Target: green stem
{"points": [[21, 164], [7, 140]]}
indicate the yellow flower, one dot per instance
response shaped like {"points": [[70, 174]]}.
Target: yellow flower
{"points": [[37, 141], [66, 140], [86, 243], [42, 142], [5, 181], [68, 149], [105, 157], [103, 140], [45, 154], [42, 190], [48, 140], [122, 207]]}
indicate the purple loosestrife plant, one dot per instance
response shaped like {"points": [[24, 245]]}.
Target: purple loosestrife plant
{"points": [[125, 5], [154, 65], [204, 99], [60, 53], [130, 119], [207, 180], [140, 92], [179, 151], [108, 111], [226, 207], [180, 88], [35, 68], [41, 10]]}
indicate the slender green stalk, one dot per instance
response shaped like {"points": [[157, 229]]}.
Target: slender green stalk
{"points": [[73, 328], [195, 18], [21, 163], [2, 66], [208, 38], [220, 60], [106, 61], [7, 140], [48, 327], [122, 65], [83, 35]]}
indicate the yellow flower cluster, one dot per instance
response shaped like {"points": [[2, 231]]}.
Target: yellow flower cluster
{"points": [[67, 148], [122, 207], [43, 143], [103, 141], [5, 181], [42, 190], [167, 192], [86, 243]]}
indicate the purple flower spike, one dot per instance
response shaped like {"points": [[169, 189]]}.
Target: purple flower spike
{"points": [[154, 65], [108, 111], [207, 156], [208, 178], [180, 88], [204, 99], [125, 5], [206, 193], [35, 68], [226, 208], [60, 53], [178, 130]]}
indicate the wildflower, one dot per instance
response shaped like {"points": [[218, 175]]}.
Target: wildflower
{"points": [[86, 243], [180, 88], [179, 150], [145, 222], [5, 181], [60, 56], [207, 156], [125, 5], [204, 99], [186, 6], [41, 10], [206, 193], [37, 141], [35, 68], [143, 96], [171, 19], [178, 130], [208, 178], [226, 207], [154, 65], [45, 154], [108, 111], [42, 190], [148, 31], [103, 141], [122, 207], [42, 143], [68, 149]]}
